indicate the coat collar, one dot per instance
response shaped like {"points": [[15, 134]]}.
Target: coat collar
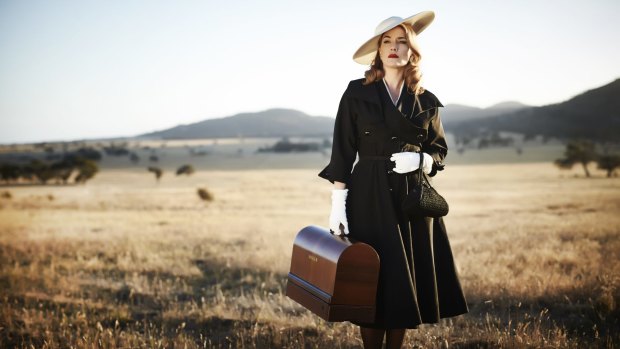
{"points": [[370, 93], [398, 124]]}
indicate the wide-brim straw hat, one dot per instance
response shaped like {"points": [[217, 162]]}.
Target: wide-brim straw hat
{"points": [[366, 53]]}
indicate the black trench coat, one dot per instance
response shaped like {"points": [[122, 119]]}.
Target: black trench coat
{"points": [[418, 281]]}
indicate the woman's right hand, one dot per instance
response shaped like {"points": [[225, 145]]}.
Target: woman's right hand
{"points": [[338, 214]]}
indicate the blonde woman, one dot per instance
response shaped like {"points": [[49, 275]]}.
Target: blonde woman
{"points": [[389, 120]]}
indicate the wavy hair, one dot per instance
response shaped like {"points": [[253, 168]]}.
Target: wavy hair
{"points": [[412, 73]]}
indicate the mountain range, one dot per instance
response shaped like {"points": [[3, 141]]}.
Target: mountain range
{"points": [[593, 114], [277, 122]]}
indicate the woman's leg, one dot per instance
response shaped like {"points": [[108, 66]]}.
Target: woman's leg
{"points": [[372, 337], [394, 338]]}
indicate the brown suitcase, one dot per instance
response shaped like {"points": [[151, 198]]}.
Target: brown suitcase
{"points": [[334, 277]]}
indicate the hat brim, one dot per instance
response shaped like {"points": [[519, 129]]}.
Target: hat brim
{"points": [[367, 52]]}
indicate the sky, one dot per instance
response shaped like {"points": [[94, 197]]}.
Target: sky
{"points": [[81, 69]]}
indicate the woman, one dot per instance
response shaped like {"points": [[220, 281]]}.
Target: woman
{"points": [[390, 120]]}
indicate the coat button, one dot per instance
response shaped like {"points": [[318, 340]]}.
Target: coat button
{"points": [[390, 171], [420, 136], [394, 138], [367, 133]]}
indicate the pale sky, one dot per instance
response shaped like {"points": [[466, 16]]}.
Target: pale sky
{"points": [[86, 69]]}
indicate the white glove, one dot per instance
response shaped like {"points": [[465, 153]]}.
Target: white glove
{"points": [[339, 213], [410, 161]]}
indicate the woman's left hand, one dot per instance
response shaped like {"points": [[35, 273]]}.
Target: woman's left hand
{"points": [[410, 161]]}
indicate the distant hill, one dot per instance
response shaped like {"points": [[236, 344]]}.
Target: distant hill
{"points": [[268, 123], [290, 122], [594, 114], [453, 114]]}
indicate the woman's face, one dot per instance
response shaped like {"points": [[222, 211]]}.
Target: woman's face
{"points": [[394, 49]]}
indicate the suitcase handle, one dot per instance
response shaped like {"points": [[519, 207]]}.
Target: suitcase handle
{"points": [[342, 236]]}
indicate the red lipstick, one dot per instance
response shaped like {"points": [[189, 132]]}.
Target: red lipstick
{"points": [[393, 55]]}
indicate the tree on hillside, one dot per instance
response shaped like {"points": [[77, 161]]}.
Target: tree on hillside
{"points": [[578, 152]]}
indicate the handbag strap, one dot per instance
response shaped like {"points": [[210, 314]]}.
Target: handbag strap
{"points": [[423, 177], [420, 168], [422, 173]]}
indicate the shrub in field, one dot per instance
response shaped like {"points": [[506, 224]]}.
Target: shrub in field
{"points": [[609, 162], [157, 171], [87, 169], [9, 172], [6, 195], [186, 170], [205, 195], [62, 170], [42, 171]]}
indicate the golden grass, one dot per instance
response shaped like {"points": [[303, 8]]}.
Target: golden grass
{"points": [[125, 262]]}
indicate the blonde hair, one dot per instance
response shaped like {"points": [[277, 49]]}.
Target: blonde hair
{"points": [[412, 73]]}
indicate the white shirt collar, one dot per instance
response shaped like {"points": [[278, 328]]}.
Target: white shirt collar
{"points": [[400, 90]]}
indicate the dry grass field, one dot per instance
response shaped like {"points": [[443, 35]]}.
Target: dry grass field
{"points": [[125, 262]]}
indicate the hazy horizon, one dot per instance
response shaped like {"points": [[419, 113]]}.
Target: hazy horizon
{"points": [[74, 70]]}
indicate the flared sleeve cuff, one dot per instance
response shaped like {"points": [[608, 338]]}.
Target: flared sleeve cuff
{"points": [[326, 175]]}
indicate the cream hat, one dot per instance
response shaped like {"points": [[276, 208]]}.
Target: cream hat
{"points": [[366, 53]]}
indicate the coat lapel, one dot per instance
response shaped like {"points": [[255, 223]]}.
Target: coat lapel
{"points": [[398, 124], [368, 93], [372, 94]]}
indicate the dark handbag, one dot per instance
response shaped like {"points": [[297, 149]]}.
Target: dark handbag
{"points": [[423, 199]]}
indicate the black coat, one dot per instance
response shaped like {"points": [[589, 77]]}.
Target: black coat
{"points": [[418, 281]]}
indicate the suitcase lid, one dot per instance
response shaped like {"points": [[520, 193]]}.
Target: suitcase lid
{"points": [[318, 256]]}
